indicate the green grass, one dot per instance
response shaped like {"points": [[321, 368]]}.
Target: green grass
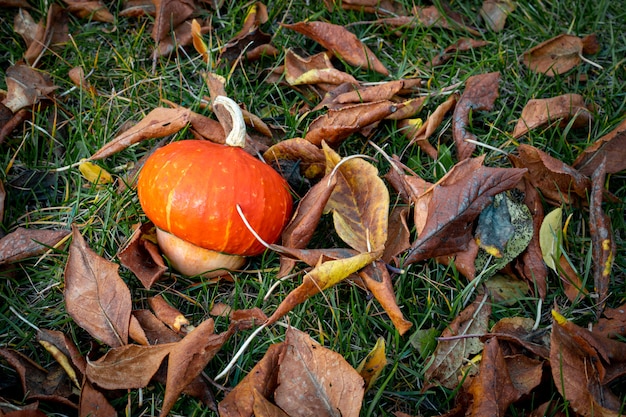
{"points": [[343, 318]]}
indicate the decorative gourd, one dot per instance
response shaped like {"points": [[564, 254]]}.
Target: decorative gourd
{"points": [[191, 189]]}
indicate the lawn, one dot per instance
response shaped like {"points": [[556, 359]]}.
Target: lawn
{"points": [[46, 190]]}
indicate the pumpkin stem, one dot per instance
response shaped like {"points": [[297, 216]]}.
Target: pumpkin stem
{"points": [[237, 135]]}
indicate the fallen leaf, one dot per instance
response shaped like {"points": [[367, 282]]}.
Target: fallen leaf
{"points": [[261, 380], [198, 43], [372, 366], [377, 280], [421, 134], [558, 55], [309, 157], [603, 245], [578, 368], [77, 75], [26, 87], [613, 322], [558, 182], [172, 317], [611, 146], [519, 334], [158, 123], [341, 42], [336, 125], [169, 15], [25, 26], [505, 290], [540, 112], [65, 352], [398, 235], [481, 92], [495, 12], [359, 203], [26, 243], [448, 360], [189, 357], [94, 403], [141, 255], [128, 366], [315, 381], [363, 94], [316, 69], [51, 37], [303, 224], [94, 173], [550, 237], [432, 16], [95, 296], [323, 276], [457, 199], [92, 10], [493, 388], [250, 36], [37, 383]]}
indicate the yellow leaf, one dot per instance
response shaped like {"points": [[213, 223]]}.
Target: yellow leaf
{"points": [[62, 360], [372, 366], [94, 174], [550, 236]]}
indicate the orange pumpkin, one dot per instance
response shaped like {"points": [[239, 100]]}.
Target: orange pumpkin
{"points": [[190, 190]]}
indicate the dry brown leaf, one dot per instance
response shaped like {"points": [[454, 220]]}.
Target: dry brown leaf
{"points": [[53, 36], [26, 87], [169, 15], [450, 355], [153, 329], [399, 234], [579, 367], [262, 380], [92, 10], [94, 403], [315, 381], [95, 296], [558, 182], [481, 92], [77, 75], [421, 135], [27, 28], [540, 112], [495, 372], [603, 245], [336, 125], [37, 383], [141, 255], [495, 12], [172, 317], [66, 346], [559, 54], [26, 243], [341, 42], [613, 323], [128, 366], [310, 158], [457, 199], [611, 146], [3, 196], [376, 278], [250, 36], [158, 123], [362, 94]]}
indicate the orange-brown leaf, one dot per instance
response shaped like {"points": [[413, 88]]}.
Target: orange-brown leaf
{"points": [[315, 381], [158, 123], [25, 243], [611, 146], [95, 296], [540, 112], [341, 42], [555, 56]]}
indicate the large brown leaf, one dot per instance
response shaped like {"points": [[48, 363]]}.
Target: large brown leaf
{"points": [[611, 146], [579, 367], [481, 92], [359, 203], [559, 54], [170, 14], [158, 123], [563, 108], [447, 364], [95, 296], [142, 256], [26, 87], [25, 243], [315, 381], [341, 42], [336, 125], [558, 182], [457, 199]]}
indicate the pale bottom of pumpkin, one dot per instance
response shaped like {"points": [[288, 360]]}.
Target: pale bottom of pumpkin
{"points": [[191, 260]]}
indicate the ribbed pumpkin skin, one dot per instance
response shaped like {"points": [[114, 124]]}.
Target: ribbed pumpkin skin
{"points": [[191, 189]]}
